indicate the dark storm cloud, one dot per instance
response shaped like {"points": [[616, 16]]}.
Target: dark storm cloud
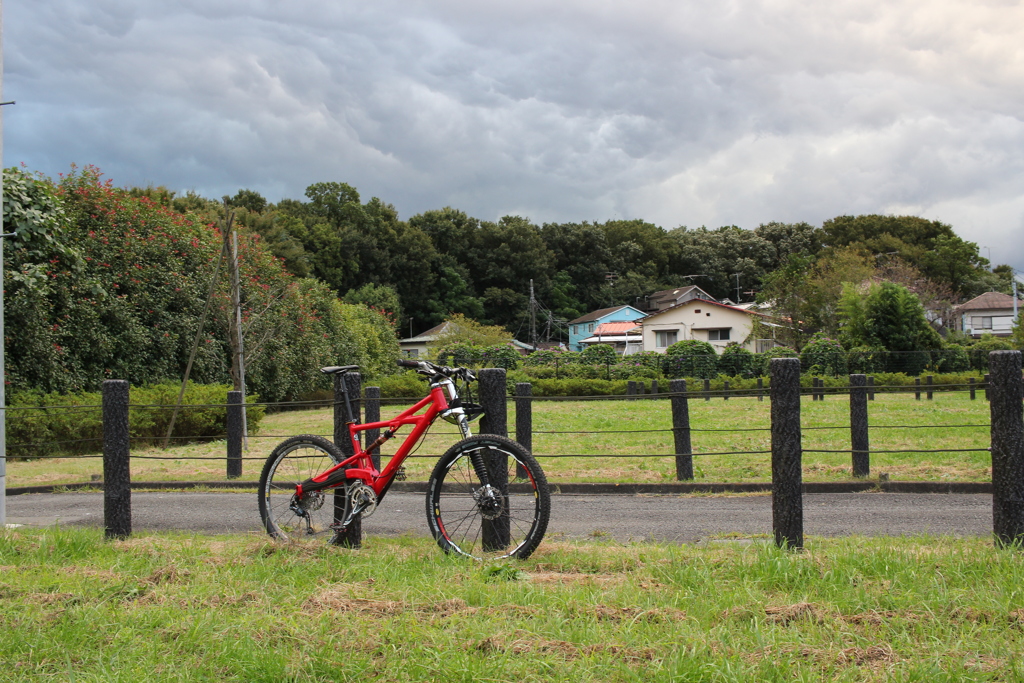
{"points": [[681, 113]]}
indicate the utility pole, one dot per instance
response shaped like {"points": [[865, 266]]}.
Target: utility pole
{"points": [[737, 287], [533, 318], [237, 342]]}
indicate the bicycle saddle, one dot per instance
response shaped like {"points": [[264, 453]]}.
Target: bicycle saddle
{"points": [[335, 369]]}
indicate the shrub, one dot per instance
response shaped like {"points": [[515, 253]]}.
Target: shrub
{"points": [[78, 418], [500, 356], [541, 358], [867, 359], [979, 352], [823, 356], [409, 384], [736, 361], [690, 358], [598, 354], [952, 358], [762, 361]]}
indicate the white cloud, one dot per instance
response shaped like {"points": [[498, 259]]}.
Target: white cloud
{"points": [[689, 113]]}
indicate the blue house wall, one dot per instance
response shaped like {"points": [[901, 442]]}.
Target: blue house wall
{"points": [[584, 326]]}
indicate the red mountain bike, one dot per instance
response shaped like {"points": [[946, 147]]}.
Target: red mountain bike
{"points": [[486, 498]]}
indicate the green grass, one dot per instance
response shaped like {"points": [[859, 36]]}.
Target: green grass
{"points": [[579, 424], [185, 608]]}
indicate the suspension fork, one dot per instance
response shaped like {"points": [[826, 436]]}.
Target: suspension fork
{"points": [[476, 458]]}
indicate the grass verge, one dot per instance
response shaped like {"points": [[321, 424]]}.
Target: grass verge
{"points": [[176, 607]]}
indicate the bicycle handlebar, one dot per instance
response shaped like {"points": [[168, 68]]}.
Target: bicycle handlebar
{"points": [[425, 367]]}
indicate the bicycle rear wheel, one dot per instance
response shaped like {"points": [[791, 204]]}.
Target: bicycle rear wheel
{"points": [[506, 518], [295, 460]]}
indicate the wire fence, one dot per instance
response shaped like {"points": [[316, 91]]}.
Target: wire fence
{"points": [[549, 443]]}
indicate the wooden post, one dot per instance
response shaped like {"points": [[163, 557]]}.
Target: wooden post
{"points": [[117, 478], [871, 387], [970, 382], [707, 390], [859, 426], [234, 420], [495, 533], [917, 388], [372, 414], [681, 429], [787, 478], [930, 381], [760, 389], [1007, 448], [725, 390], [352, 537]]}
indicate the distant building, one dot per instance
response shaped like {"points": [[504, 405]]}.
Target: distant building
{"points": [[990, 313], [626, 338], [416, 347], [705, 320], [583, 327], [667, 298]]}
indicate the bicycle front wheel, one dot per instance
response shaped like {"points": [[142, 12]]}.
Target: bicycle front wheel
{"points": [[507, 517], [293, 461]]}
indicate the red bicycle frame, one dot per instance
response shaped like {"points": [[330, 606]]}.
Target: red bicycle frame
{"points": [[360, 466]]}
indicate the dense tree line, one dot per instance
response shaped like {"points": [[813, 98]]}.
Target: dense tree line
{"points": [[104, 283], [441, 262]]}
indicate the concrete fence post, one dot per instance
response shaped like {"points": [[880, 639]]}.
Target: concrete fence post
{"points": [[930, 382], [371, 412], [760, 389], [235, 428], [654, 387], [917, 388], [707, 390], [496, 533], [871, 387], [787, 478], [681, 429], [117, 480], [631, 388], [860, 453], [988, 380], [352, 537], [1007, 448], [725, 390], [524, 421], [971, 387]]}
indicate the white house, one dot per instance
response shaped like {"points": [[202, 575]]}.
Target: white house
{"points": [[709, 321], [991, 313]]}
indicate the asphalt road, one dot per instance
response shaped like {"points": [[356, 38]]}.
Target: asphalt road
{"points": [[681, 519]]}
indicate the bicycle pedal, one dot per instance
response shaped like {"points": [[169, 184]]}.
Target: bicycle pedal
{"points": [[400, 474]]}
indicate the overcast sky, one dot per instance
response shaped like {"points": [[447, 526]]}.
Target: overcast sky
{"points": [[708, 113]]}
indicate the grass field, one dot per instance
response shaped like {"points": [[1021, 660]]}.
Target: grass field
{"points": [[181, 608], [621, 430]]}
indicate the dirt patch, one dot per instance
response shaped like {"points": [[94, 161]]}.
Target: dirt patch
{"points": [[340, 599], [522, 642], [90, 572], [581, 578], [166, 575]]}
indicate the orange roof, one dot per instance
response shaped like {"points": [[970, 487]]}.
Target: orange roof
{"points": [[615, 327]]}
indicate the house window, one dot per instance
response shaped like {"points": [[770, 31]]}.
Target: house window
{"points": [[575, 329], [665, 338], [591, 327], [412, 353], [719, 335], [981, 322]]}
